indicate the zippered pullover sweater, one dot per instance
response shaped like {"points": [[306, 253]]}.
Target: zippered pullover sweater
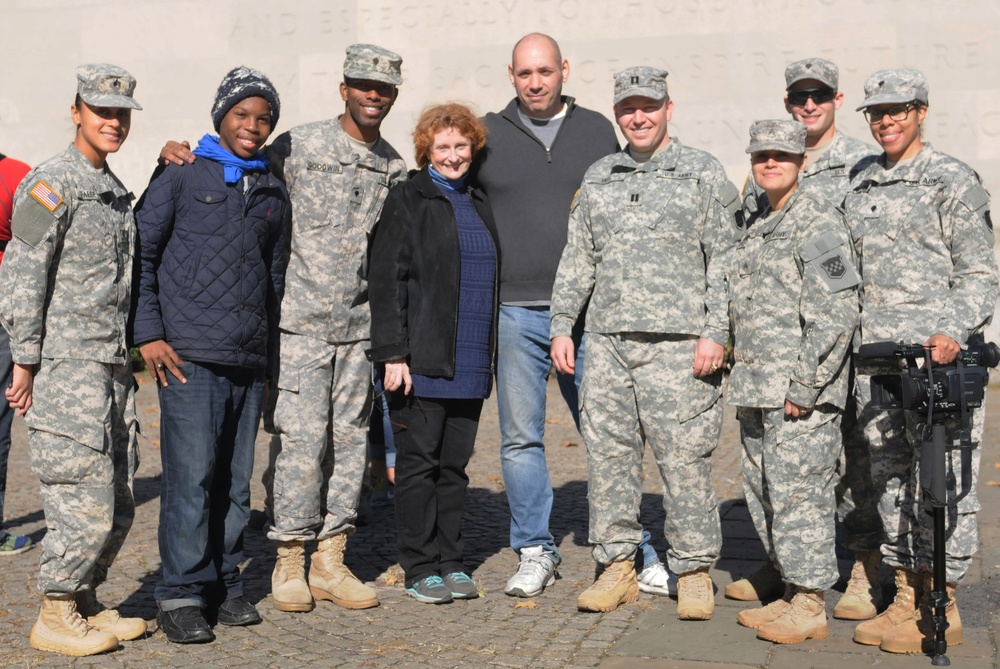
{"points": [[531, 189]]}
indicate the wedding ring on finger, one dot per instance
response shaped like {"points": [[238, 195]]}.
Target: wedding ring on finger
{"points": [[160, 366], [715, 367]]}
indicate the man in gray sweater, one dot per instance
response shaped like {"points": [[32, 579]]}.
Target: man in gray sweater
{"points": [[538, 149]]}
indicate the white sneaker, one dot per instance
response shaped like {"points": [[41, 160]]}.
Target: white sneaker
{"points": [[537, 570], [656, 579]]}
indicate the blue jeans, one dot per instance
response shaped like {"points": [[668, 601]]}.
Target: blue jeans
{"points": [[523, 366], [381, 442], [207, 431], [6, 416]]}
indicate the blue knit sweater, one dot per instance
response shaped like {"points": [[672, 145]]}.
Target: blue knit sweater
{"points": [[473, 374]]}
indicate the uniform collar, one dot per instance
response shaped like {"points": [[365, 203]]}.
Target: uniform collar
{"points": [[104, 180]]}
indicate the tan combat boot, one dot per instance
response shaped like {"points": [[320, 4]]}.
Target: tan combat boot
{"points": [[863, 596], [916, 633], [757, 618], [288, 581], [762, 584], [804, 618], [331, 580], [616, 585], [108, 620], [60, 629], [908, 592], [695, 596]]}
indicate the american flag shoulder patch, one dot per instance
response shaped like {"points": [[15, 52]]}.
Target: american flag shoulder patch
{"points": [[47, 197]]}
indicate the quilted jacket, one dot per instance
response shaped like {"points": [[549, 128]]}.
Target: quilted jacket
{"points": [[212, 264]]}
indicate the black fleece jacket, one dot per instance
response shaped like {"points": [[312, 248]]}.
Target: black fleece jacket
{"points": [[531, 190], [414, 276]]}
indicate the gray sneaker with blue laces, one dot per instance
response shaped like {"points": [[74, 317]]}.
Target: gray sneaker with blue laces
{"points": [[461, 585], [430, 590]]}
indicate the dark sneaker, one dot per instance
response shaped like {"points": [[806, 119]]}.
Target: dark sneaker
{"points": [[461, 585], [238, 612], [13, 544], [430, 590], [185, 625]]}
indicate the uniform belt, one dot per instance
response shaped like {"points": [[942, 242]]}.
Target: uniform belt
{"points": [[3, 244]]}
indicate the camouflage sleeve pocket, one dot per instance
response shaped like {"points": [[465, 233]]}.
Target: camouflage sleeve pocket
{"points": [[831, 261], [977, 200], [729, 197], [35, 214]]}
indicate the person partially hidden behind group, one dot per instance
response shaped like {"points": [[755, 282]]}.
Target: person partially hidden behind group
{"points": [[433, 291]]}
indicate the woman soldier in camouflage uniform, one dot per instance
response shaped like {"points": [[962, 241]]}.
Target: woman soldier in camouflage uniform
{"points": [[67, 291], [921, 225], [793, 309]]}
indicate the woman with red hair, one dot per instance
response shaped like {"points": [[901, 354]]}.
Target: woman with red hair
{"points": [[432, 284]]}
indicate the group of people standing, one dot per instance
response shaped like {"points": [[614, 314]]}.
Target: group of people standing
{"points": [[285, 271], [833, 246]]}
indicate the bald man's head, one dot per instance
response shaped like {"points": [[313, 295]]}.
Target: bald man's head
{"points": [[537, 72], [537, 39]]}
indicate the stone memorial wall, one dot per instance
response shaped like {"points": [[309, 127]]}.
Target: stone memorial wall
{"points": [[726, 60]]}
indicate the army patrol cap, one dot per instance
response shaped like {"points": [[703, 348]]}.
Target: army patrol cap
{"points": [[649, 82], [373, 63], [105, 85], [778, 135], [894, 86], [819, 69]]}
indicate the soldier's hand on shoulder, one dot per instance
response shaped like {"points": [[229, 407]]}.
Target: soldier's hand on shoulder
{"points": [[176, 153]]}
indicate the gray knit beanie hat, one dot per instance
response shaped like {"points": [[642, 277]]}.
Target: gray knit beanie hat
{"points": [[239, 84]]}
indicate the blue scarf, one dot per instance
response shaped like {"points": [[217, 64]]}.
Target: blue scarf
{"points": [[234, 166], [457, 185]]}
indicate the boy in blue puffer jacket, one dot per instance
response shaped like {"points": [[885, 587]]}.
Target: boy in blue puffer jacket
{"points": [[213, 247]]}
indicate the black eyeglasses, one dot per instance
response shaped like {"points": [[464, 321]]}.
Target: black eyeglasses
{"points": [[818, 95], [896, 113]]}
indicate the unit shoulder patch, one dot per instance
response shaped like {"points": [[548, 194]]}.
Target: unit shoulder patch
{"points": [[829, 259]]}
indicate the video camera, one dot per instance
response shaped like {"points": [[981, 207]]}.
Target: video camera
{"points": [[941, 388], [945, 392]]}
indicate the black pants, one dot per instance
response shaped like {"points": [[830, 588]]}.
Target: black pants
{"points": [[434, 442]]}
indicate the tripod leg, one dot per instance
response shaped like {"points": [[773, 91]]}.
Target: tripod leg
{"points": [[937, 598]]}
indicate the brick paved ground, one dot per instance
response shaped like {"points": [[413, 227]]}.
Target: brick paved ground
{"points": [[493, 631]]}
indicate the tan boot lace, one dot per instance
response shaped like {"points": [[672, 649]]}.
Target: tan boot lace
{"points": [[692, 586], [610, 578], [72, 619], [858, 583]]}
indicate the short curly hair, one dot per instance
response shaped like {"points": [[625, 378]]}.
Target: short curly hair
{"points": [[436, 118]]}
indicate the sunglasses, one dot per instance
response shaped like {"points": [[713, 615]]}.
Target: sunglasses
{"points": [[818, 95]]}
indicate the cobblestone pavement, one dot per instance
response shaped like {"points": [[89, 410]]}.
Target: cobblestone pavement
{"points": [[494, 630]]}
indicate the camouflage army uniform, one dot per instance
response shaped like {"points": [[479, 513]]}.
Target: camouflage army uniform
{"points": [[830, 177], [923, 235], [67, 289], [324, 386], [793, 309], [646, 247]]}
